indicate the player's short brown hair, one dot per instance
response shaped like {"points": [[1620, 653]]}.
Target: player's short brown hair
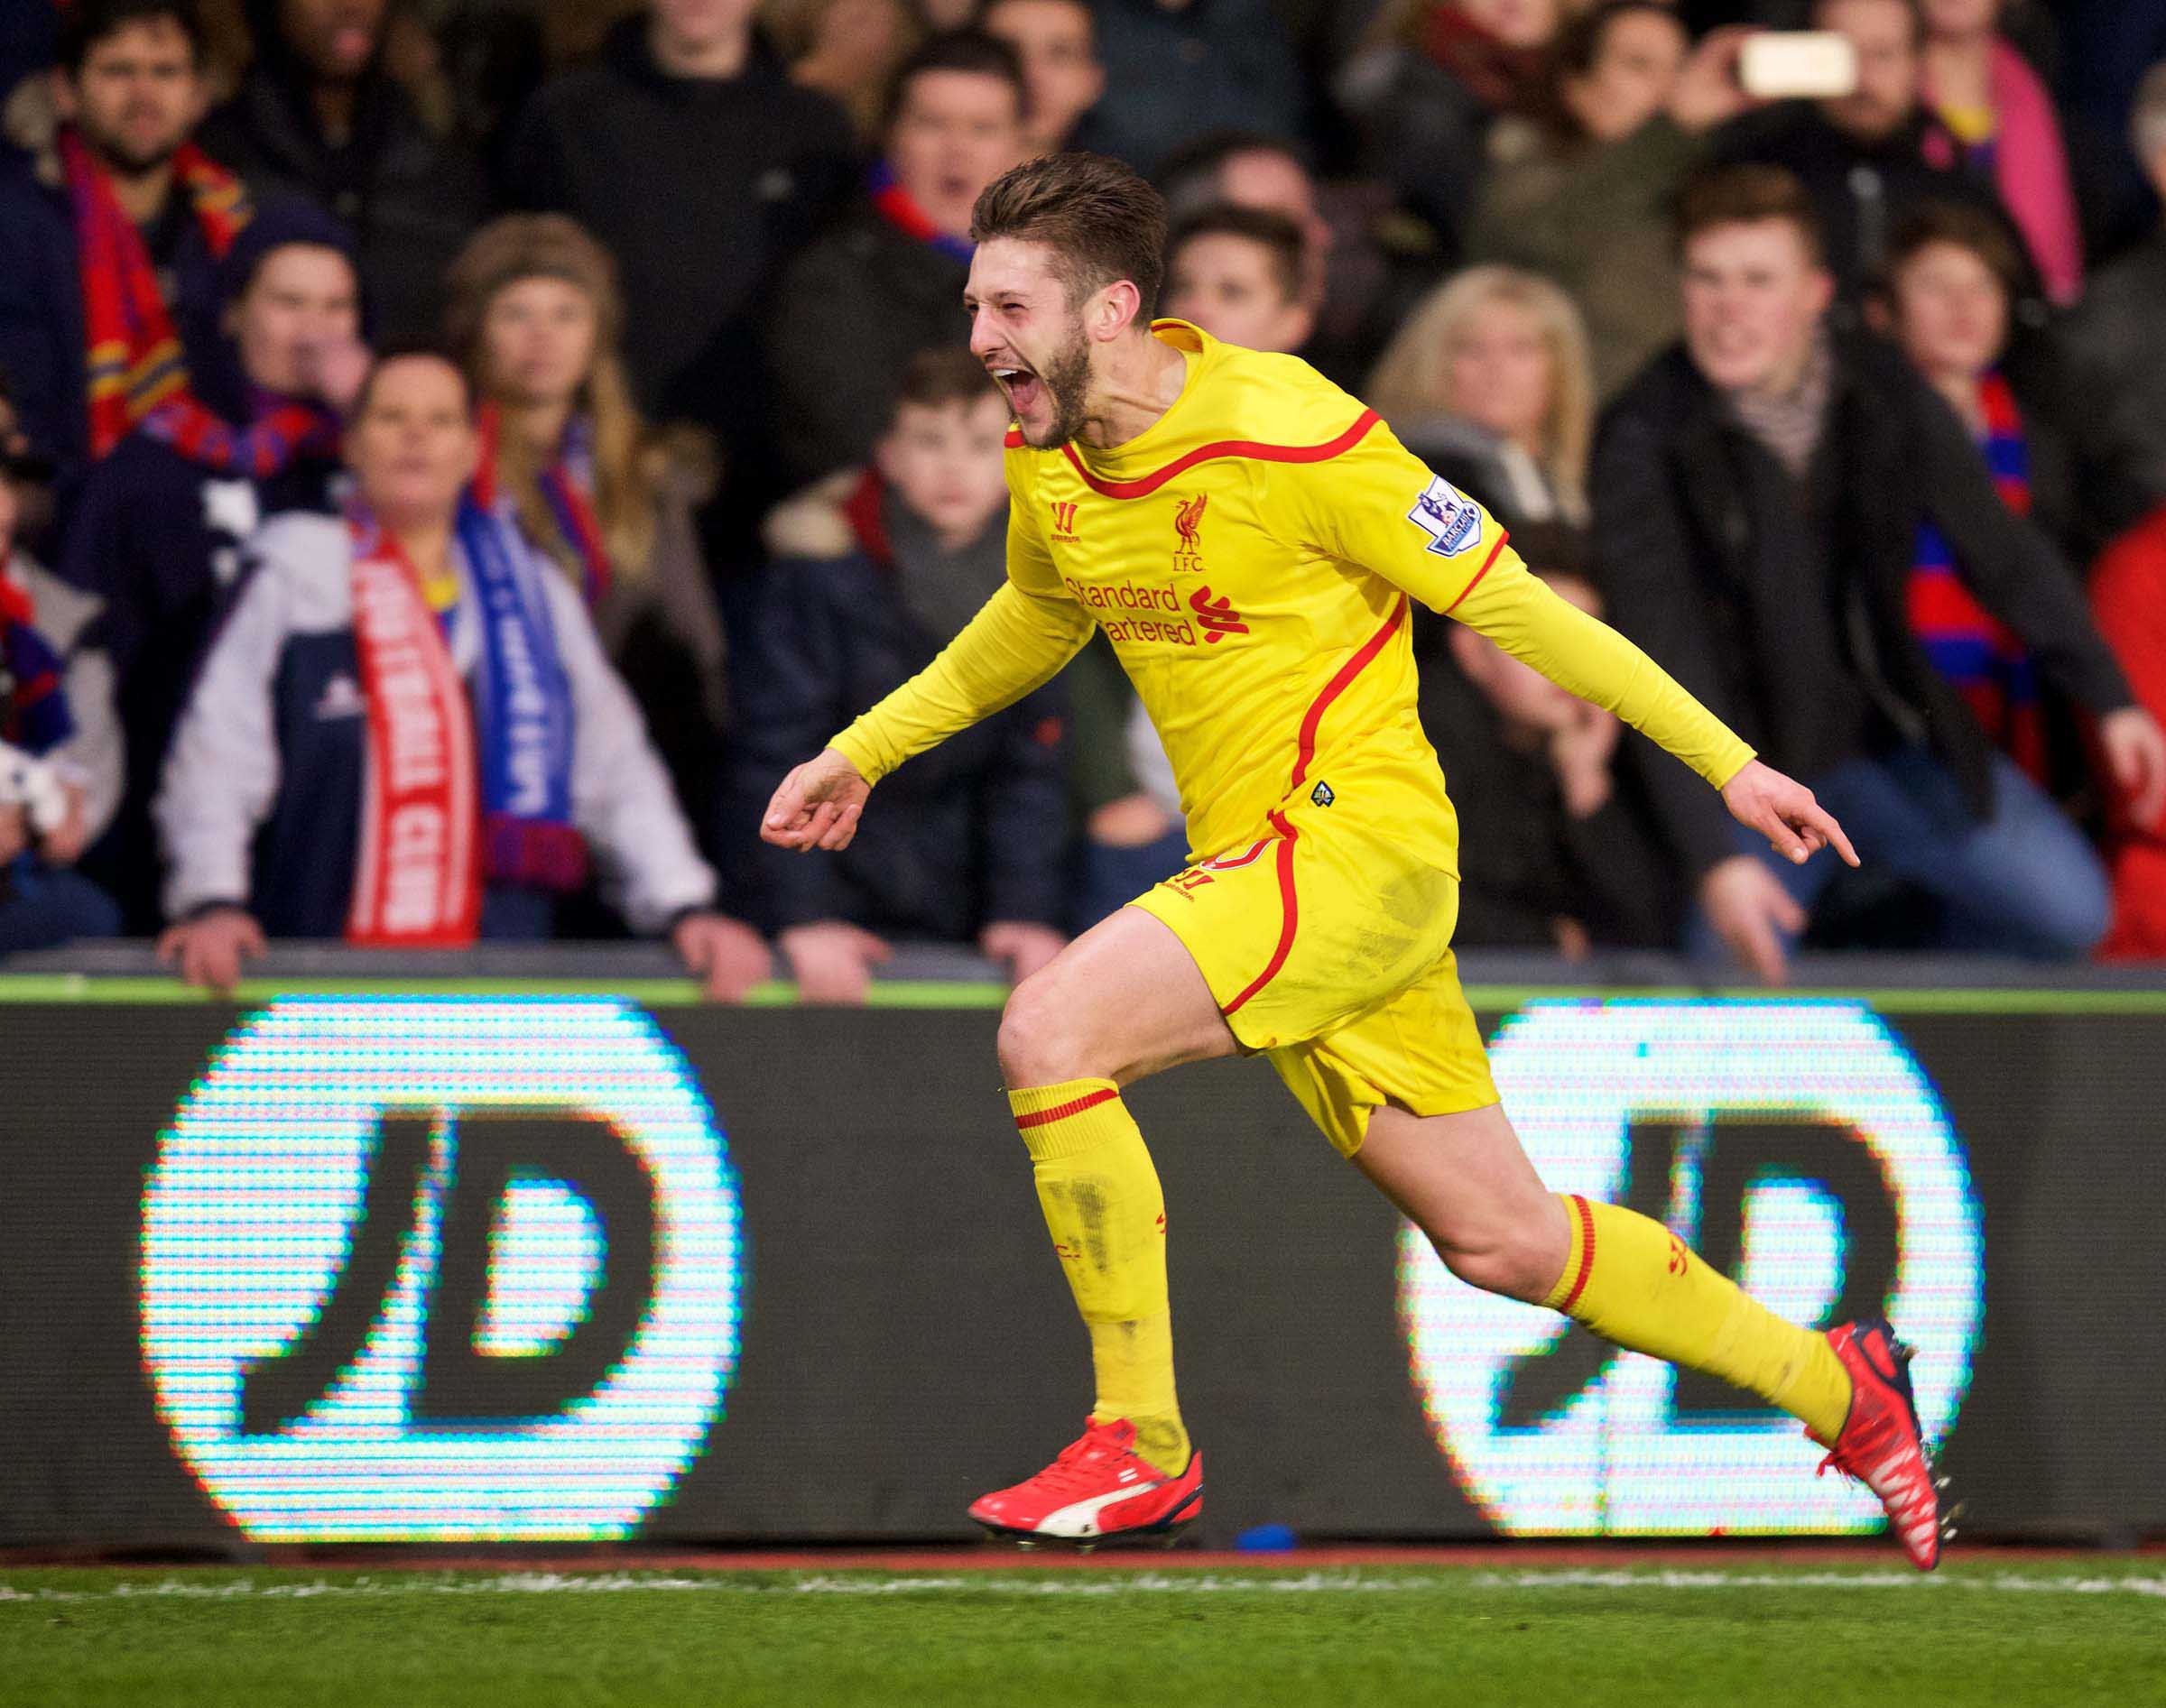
{"points": [[1273, 232], [1750, 196], [940, 377], [1102, 220]]}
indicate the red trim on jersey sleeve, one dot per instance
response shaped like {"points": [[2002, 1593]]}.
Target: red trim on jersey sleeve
{"points": [[1502, 538], [1313, 719], [1143, 485], [1289, 912]]}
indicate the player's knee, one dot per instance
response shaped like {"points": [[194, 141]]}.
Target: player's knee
{"points": [[1037, 1042]]}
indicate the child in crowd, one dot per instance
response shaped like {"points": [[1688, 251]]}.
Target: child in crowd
{"points": [[1236, 273], [879, 570]]}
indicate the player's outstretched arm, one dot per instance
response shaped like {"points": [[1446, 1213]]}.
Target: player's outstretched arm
{"points": [[1782, 810], [817, 805]]}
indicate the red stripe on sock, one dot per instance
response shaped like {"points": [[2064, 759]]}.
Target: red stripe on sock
{"points": [[1061, 1112], [1586, 1251]]}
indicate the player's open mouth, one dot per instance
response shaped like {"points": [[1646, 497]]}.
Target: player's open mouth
{"points": [[1022, 386]]}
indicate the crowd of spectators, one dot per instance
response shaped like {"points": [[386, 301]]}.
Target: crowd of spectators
{"points": [[455, 455]]}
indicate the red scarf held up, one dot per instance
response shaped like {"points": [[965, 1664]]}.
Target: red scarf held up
{"points": [[132, 357], [418, 884]]}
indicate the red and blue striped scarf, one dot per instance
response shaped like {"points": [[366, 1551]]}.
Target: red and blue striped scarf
{"points": [[34, 708], [567, 487], [899, 208], [137, 370], [1978, 653]]}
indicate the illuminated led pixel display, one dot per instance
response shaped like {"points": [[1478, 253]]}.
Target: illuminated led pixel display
{"points": [[1799, 1147], [435, 1269]]}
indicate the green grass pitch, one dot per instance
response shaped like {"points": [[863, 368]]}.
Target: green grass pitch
{"points": [[2006, 1631]]}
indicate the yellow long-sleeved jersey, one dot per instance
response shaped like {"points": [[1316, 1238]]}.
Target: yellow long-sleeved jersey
{"points": [[1251, 555]]}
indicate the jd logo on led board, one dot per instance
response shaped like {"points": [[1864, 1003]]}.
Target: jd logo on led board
{"points": [[1800, 1148], [441, 1269]]}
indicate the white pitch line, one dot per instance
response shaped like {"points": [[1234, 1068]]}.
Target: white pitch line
{"points": [[1135, 1583]]}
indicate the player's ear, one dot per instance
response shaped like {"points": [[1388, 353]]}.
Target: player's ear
{"points": [[1112, 310]]}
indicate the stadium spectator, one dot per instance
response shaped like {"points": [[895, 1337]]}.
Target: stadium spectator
{"points": [[686, 123], [1236, 273], [55, 709], [2128, 593], [1489, 384], [535, 318], [2115, 332], [112, 235], [319, 116], [2001, 118], [1556, 847], [406, 734], [1953, 280], [976, 846], [1757, 495], [1867, 157], [1177, 69], [160, 528], [846, 49], [1426, 84], [1581, 189], [888, 281], [1058, 43]]}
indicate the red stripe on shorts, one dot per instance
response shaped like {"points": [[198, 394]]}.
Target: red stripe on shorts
{"points": [[1289, 913]]}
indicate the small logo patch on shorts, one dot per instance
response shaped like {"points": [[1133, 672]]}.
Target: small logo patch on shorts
{"points": [[1321, 795]]}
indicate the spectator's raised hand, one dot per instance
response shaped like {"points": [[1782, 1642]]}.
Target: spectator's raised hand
{"points": [[1708, 91], [1751, 912], [210, 949], [817, 805], [2135, 752], [726, 954], [1020, 945], [832, 960]]}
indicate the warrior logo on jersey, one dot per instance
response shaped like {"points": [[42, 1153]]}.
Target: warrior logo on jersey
{"points": [[1064, 519], [1187, 518], [1451, 520]]}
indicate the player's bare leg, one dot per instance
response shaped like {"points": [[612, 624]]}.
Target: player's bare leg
{"points": [[1123, 1001], [1465, 1182]]}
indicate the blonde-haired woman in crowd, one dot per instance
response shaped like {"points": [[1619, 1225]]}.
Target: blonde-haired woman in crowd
{"points": [[534, 318], [1488, 380]]}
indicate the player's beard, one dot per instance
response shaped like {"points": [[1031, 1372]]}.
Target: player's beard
{"points": [[1067, 382]]}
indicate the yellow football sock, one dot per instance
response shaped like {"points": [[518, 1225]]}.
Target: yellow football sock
{"points": [[1107, 1216], [1633, 1282]]}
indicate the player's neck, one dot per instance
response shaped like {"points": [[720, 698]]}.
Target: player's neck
{"points": [[1143, 379]]}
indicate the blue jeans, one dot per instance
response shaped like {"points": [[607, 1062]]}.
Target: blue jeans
{"points": [[2024, 883], [44, 907]]}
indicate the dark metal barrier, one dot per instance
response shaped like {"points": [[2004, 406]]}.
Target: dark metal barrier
{"points": [[385, 1258]]}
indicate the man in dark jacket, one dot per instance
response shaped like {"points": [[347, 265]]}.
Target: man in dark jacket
{"points": [[1758, 495], [703, 169], [1867, 159], [319, 116], [2116, 331], [888, 281], [130, 87], [976, 850]]}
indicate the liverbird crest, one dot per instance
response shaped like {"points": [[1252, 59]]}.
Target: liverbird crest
{"points": [[1189, 517]]}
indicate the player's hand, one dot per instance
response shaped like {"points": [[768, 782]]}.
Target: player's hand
{"points": [[1751, 911], [817, 805], [1784, 811], [2135, 752], [1023, 947], [726, 954], [832, 960], [208, 949], [1708, 91]]}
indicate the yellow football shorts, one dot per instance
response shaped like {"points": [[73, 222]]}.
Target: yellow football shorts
{"points": [[1330, 951]]}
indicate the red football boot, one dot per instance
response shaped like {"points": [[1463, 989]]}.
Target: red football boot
{"points": [[1881, 1445], [1097, 1491]]}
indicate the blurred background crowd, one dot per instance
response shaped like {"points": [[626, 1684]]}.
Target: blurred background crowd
{"points": [[455, 454]]}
